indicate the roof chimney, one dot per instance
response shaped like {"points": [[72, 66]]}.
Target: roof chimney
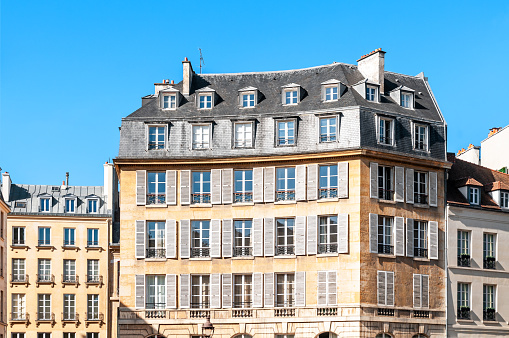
{"points": [[493, 131], [188, 77], [371, 67], [6, 186]]}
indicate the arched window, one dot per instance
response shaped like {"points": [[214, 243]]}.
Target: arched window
{"points": [[328, 335], [383, 335]]}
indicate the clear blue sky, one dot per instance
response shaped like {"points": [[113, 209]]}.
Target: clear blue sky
{"points": [[70, 70]]}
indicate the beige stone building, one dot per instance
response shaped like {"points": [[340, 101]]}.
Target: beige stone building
{"points": [[304, 203], [4, 210]]}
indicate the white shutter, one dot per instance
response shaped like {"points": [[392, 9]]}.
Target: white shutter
{"points": [[417, 290], [140, 239], [185, 187], [258, 237], [227, 237], [433, 240], [381, 291], [269, 174], [425, 291], [399, 174], [171, 187], [399, 235], [257, 289], [331, 288], [171, 291], [185, 238], [185, 291], [300, 186], [321, 292], [410, 186], [141, 187], [373, 233], [300, 288], [139, 291], [342, 233], [258, 185], [433, 189], [410, 237], [269, 289], [215, 178], [343, 179], [373, 177], [390, 288], [215, 238], [215, 291], [227, 181], [227, 290], [171, 238], [312, 234], [300, 235], [269, 236], [312, 182]]}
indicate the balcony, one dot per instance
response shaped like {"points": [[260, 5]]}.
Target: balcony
{"points": [[464, 260], [242, 197], [285, 250], [19, 279], [200, 252], [199, 313], [70, 243], [202, 305], [44, 244], [385, 249], [45, 279], [20, 317], [385, 194], [327, 138], [70, 317], [200, 198], [284, 312], [489, 262], [464, 312], [288, 195], [420, 198], [155, 310], [156, 199], [327, 248], [242, 313], [489, 315], [70, 280], [420, 252], [327, 311], [45, 317], [327, 193], [94, 317], [420, 314], [93, 280], [155, 253], [385, 312], [243, 252], [241, 305]]}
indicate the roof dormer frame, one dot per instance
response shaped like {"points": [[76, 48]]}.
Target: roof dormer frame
{"points": [[332, 83], [398, 93], [205, 93], [293, 99], [173, 100], [250, 90], [362, 86]]}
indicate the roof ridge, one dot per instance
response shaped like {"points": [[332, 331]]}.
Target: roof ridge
{"points": [[413, 76], [279, 71], [493, 170]]}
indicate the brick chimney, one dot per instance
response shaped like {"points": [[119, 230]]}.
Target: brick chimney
{"points": [[6, 186], [187, 77], [371, 67]]}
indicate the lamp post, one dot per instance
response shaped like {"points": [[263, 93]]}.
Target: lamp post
{"points": [[207, 330]]}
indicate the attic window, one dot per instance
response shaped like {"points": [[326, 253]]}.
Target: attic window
{"points": [[331, 93], [407, 100], [20, 204], [372, 93], [170, 101], [504, 200], [70, 204], [248, 100], [205, 101], [44, 204], [55, 189], [473, 195], [291, 94]]}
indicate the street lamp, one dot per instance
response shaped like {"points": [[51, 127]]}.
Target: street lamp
{"points": [[207, 330]]}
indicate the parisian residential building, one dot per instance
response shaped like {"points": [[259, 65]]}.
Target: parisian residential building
{"points": [[305, 203], [4, 210], [478, 266], [58, 269]]}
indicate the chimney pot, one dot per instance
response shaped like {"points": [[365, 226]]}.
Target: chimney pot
{"points": [[172, 82], [185, 59]]}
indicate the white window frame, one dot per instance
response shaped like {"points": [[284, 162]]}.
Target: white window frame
{"points": [[286, 138], [328, 136], [158, 229], [282, 289], [157, 180], [420, 187], [489, 245], [385, 232], [421, 229], [251, 102], [485, 293], [463, 242], [45, 204], [245, 281], [92, 270], [44, 306], [241, 193], [46, 236], [205, 102], [44, 269], [171, 101], [372, 97], [92, 334], [383, 188], [203, 144], [91, 202], [198, 228], [202, 282], [69, 306], [406, 100], [416, 135], [474, 195], [92, 237], [18, 269], [19, 306], [155, 292], [329, 97], [463, 295], [157, 143], [20, 232], [70, 205], [247, 141], [504, 199], [69, 270], [72, 237], [287, 240], [92, 307], [381, 139], [326, 238], [203, 198], [22, 335], [294, 97], [328, 190], [243, 225]]}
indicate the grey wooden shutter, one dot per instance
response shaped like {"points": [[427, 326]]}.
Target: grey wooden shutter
{"points": [[433, 189], [269, 236], [433, 240], [300, 288], [171, 187], [417, 291], [410, 237], [185, 187], [185, 291], [215, 178], [139, 291], [373, 233], [312, 234], [321, 291], [258, 237], [390, 288], [399, 178], [227, 290], [171, 291], [312, 182], [257, 289], [227, 181], [381, 288], [258, 185], [215, 238], [140, 239], [141, 187], [425, 291], [342, 233], [331, 288], [399, 235], [269, 192], [269, 289], [300, 186], [227, 237], [171, 238], [410, 186], [300, 235], [185, 238], [215, 291], [373, 178], [343, 179]]}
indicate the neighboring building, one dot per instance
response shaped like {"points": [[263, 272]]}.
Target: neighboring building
{"points": [[59, 258], [301, 203], [4, 210], [478, 266]]}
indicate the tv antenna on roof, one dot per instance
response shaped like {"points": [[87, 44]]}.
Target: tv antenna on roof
{"points": [[201, 60]]}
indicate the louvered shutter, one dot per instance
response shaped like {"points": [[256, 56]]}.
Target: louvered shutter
{"points": [[433, 189], [269, 289], [300, 186], [171, 238], [399, 230], [390, 288], [185, 187], [300, 288], [331, 288], [227, 237], [433, 240], [185, 291], [171, 291], [257, 289], [410, 237], [269, 174], [215, 178], [258, 185], [381, 288], [300, 235], [141, 187], [258, 237], [373, 178], [215, 238], [215, 290], [373, 233], [399, 178], [312, 234], [139, 291], [185, 240], [140, 239], [171, 187], [417, 291], [312, 182], [269, 236], [321, 292], [425, 291], [343, 179], [227, 181], [227, 290], [342, 233], [410, 186]]}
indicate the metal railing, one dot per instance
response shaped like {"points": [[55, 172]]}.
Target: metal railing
{"points": [[70, 279], [385, 312], [288, 195], [282, 250], [201, 145], [200, 252], [45, 278], [286, 303], [94, 316], [19, 278], [420, 198], [45, 316], [44, 242], [385, 140], [92, 243], [243, 197], [385, 249], [200, 305], [285, 141], [386, 194], [70, 316], [94, 279], [327, 193], [327, 138], [464, 312], [420, 145], [489, 263], [69, 243], [155, 146], [421, 314], [20, 316], [420, 252], [241, 252], [243, 144], [18, 242], [241, 305], [156, 198], [464, 260], [200, 198], [156, 253], [489, 314], [327, 248]]}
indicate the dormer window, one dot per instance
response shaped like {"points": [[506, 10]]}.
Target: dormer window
{"points": [[291, 97], [504, 200], [170, 101], [331, 93], [248, 100], [407, 100], [169, 98], [372, 93], [45, 204], [248, 97], [93, 205], [291, 94], [473, 195], [205, 101], [157, 136], [70, 204], [420, 137]]}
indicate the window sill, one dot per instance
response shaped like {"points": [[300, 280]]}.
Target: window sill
{"points": [[70, 247], [200, 258], [386, 201], [323, 200], [94, 248], [424, 206], [386, 255], [242, 204], [155, 259], [285, 145], [328, 255], [19, 246], [286, 202], [201, 149], [286, 256], [322, 142], [201, 205], [156, 205], [421, 259], [243, 258], [465, 321], [386, 144], [45, 247]]}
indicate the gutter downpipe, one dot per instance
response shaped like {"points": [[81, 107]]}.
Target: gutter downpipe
{"points": [[446, 176]]}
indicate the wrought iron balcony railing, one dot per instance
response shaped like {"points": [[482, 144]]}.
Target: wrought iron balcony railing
{"points": [[281, 141], [282, 250], [489, 262], [285, 303], [69, 243], [45, 316], [385, 249], [94, 316], [385, 140], [45, 278], [20, 316], [19, 278], [241, 305], [92, 243], [156, 253], [200, 252], [288, 195], [327, 248], [20, 242], [156, 198], [200, 305], [44, 242], [243, 197], [327, 193], [489, 314], [200, 198], [420, 198], [420, 252], [464, 312], [327, 138], [464, 260], [243, 251], [70, 316], [386, 194], [155, 146], [70, 279], [94, 279]]}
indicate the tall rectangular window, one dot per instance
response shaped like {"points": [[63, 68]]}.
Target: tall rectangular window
{"points": [[200, 238], [285, 186], [243, 186], [473, 195], [385, 131], [45, 204], [420, 238], [43, 335], [69, 271], [385, 183], [44, 307], [285, 234], [463, 248], [69, 237], [156, 137], [44, 236], [243, 135], [242, 291], [156, 243], [242, 238], [44, 270], [156, 193], [328, 181], [93, 307], [69, 307], [92, 334], [420, 187], [248, 100], [22, 335], [18, 270], [328, 129], [205, 101], [488, 304], [489, 259], [169, 102], [331, 93], [200, 291], [504, 199], [420, 137], [93, 271], [18, 235], [92, 237], [406, 100], [200, 187], [201, 136], [385, 229], [291, 97], [285, 290], [463, 301], [371, 93], [69, 335], [93, 205], [18, 306], [328, 234], [285, 133], [155, 292], [70, 205]]}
